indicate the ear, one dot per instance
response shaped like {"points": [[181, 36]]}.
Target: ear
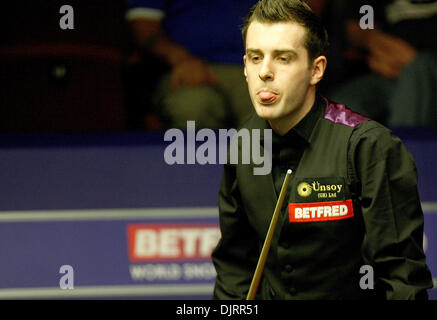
{"points": [[245, 71], [319, 67]]}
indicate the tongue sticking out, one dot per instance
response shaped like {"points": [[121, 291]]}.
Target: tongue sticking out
{"points": [[267, 96]]}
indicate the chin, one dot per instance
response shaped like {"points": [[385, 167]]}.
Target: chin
{"points": [[266, 112]]}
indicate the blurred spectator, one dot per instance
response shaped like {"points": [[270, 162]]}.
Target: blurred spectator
{"points": [[201, 43], [400, 88]]}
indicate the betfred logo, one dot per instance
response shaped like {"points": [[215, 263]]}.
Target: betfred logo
{"points": [[165, 242], [320, 211]]}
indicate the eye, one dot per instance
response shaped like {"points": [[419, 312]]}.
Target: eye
{"points": [[255, 59], [284, 59]]}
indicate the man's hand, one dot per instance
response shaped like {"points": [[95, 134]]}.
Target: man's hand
{"points": [[192, 72], [186, 69], [388, 54]]}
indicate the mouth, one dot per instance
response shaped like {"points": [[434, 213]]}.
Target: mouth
{"points": [[266, 96]]}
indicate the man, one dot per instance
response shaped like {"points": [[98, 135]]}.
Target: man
{"points": [[352, 198], [200, 43]]}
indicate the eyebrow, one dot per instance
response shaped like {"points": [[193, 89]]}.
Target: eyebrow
{"points": [[275, 52]]}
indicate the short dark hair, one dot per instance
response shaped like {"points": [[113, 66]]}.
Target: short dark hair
{"points": [[271, 11]]}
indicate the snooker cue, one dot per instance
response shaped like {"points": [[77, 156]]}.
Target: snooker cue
{"points": [[267, 242]]}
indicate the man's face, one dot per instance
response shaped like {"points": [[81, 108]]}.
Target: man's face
{"points": [[277, 69]]}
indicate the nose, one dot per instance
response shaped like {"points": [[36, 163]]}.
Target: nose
{"points": [[266, 72]]}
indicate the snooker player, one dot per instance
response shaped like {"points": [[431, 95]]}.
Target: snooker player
{"points": [[352, 199]]}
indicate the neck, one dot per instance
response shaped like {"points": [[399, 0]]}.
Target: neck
{"points": [[283, 125]]}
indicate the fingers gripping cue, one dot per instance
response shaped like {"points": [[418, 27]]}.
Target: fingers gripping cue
{"points": [[265, 250]]}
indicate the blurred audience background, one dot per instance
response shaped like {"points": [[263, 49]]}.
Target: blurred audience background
{"points": [[63, 80], [200, 47], [397, 61], [149, 65]]}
